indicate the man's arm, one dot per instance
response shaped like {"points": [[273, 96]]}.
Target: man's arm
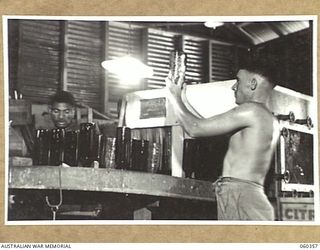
{"points": [[235, 119]]}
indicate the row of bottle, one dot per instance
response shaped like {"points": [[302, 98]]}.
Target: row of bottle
{"points": [[84, 148], [136, 154], [79, 147]]}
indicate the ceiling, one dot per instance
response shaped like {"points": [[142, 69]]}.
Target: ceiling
{"points": [[242, 33]]}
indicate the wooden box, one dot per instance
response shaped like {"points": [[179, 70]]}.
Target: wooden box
{"points": [[20, 112]]}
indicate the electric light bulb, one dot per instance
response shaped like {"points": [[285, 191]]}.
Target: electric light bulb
{"points": [[128, 68]]}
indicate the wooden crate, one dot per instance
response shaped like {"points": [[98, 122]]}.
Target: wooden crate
{"points": [[20, 112]]}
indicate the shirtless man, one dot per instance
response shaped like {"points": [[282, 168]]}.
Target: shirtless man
{"points": [[254, 134]]}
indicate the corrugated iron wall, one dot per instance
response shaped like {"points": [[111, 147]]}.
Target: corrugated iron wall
{"points": [[159, 47], [222, 62], [83, 54], [197, 60], [13, 44], [67, 54], [38, 69], [121, 40]]}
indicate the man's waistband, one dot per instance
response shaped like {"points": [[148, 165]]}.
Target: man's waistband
{"points": [[223, 179]]}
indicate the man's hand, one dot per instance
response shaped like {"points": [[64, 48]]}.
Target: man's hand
{"points": [[176, 90]]}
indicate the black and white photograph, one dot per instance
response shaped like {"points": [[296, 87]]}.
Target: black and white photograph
{"points": [[161, 120]]}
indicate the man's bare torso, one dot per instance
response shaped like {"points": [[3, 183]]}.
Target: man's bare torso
{"points": [[251, 149]]}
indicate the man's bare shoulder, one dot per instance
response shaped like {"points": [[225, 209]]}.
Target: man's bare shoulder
{"points": [[254, 111]]}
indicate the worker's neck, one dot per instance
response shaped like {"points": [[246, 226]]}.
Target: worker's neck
{"points": [[259, 99]]}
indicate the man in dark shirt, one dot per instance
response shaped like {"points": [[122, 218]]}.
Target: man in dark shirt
{"points": [[62, 110]]}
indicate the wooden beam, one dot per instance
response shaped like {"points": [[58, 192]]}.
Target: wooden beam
{"points": [[110, 180]]}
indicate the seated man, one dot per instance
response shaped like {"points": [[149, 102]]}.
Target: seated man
{"points": [[63, 110]]}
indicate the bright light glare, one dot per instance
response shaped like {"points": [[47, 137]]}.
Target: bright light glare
{"points": [[128, 68]]}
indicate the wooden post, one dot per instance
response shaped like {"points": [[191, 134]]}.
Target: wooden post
{"points": [[105, 82], [63, 57]]}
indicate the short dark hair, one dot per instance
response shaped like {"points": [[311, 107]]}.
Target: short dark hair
{"points": [[263, 67], [62, 96]]}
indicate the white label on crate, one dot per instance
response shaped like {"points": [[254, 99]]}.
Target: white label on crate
{"points": [[297, 209]]}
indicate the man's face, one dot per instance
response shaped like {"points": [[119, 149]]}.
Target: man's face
{"points": [[62, 114], [241, 88]]}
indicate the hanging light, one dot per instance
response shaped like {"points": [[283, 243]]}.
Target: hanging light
{"points": [[213, 24], [127, 68]]}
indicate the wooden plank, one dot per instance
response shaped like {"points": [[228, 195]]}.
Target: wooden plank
{"points": [[110, 180]]}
